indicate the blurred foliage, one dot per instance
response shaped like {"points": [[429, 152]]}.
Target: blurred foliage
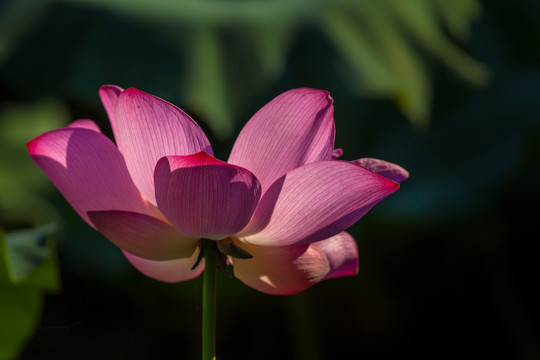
{"points": [[27, 270], [23, 183], [230, 50]]}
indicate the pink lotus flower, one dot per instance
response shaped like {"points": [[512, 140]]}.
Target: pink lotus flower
{"points": [[282, 197]]}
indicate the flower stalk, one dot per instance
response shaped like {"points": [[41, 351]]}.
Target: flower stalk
{"points": [[209, 301]]}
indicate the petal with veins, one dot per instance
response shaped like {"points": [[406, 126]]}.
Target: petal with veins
{"points": [[315, 202], [88, 170], [204, 197], [294, 129], [142, 235], [148, 128]]}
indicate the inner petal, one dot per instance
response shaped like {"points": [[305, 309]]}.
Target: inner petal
{"points": [[204, 197]]}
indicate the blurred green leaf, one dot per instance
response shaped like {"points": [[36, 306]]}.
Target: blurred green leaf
{"points": [[358, 50], [20, 308], [228, 51], [380, 41], [207, 82], [396, 62], [457, 15], [29, 258], [418, 19], [27, 268], [21, 181]]}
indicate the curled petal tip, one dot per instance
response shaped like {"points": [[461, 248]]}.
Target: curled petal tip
{"points": [[384, 168], [337, 154], [30, 145], [341, 252], [329, 97], [109, 86]]}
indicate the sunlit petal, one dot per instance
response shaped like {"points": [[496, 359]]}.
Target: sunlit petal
{"points": [[315, 202], [281, 270], [294, 129], [148, 128], [88, 170]]}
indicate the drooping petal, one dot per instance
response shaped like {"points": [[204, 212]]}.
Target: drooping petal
{"points": [[388, 170], [341, 252], [109, 96], [85, 124], [294, 129], [168, 271], [142, 235], [88, 170], [281, 270], [204, 197], [315, 202], [148, 128]]}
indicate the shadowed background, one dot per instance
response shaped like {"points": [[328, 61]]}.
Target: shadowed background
{"points": [[448, 89]]}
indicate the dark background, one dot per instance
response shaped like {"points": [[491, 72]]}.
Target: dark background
{"points": [[448, 264]]}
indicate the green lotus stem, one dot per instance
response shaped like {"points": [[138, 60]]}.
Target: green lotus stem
{"points": [[209, 302]]}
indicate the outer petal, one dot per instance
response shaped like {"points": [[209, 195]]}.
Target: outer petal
{"points": [[204, 197], [341, 252], [109, 96], [294, 129], [315, 202], [88, 170], [142, 235], [148, 128], [85, 124], [167, 271], [388, 170], [281, 270]]}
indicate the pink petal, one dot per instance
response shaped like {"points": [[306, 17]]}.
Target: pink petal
{"points": [[315, 202], [294, 129], [169, 270], [388, 170], [341, 252], [281, 270], [148, 128], [142, 235], [109, 96], [88, 170], [204, 197], [85, 124]]}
